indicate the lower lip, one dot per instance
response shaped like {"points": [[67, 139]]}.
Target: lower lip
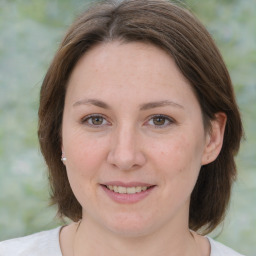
{"points": [[127, 198]]}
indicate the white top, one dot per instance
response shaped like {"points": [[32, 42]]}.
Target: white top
{"points": [[47, 243]]}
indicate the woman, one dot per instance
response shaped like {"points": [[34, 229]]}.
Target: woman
{"points": [[139, 126]]}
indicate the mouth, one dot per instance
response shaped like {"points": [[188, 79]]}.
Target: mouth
{"points": [[127, 193], [127, 190]]}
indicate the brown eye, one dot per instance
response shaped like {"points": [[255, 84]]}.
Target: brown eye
{"points": [[97, 120], [159, 120]]}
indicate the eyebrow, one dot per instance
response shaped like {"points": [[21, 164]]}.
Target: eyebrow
{"points": [[158, 104], [145, 106], [94, 102]]}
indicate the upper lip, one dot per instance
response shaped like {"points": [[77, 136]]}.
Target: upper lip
{"points": [[127, 184]]}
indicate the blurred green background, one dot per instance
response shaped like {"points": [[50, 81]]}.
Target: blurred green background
{"points": [[30, 31]]}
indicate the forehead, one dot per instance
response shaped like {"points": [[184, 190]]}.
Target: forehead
{"points": [[132, 58], [125, 69]]}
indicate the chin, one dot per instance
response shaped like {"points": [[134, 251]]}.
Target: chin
{"points": [[130, 226]]}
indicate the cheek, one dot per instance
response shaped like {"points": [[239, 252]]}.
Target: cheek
{"points": [[81, 149], [173, 151], [85, 156], [180, 156], [84, 159]]}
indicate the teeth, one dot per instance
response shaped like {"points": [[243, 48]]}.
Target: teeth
{"points": [[131, 190], [138, 189], [128, 190], [121, 190]]}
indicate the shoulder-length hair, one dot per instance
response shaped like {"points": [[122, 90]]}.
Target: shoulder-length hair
{"points": [[176, 31]]}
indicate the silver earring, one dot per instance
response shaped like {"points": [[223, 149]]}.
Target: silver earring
{"points": [[63, 159]]}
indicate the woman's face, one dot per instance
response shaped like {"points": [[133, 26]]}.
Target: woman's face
{"points": [[133, 137]]}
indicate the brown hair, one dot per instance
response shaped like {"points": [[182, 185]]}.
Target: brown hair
{"points": [[184, 38]]}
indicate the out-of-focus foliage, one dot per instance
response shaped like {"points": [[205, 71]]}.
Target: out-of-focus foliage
{"points": [[29, 35]]}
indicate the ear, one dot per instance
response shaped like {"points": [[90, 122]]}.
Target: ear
{"points": [[214, 138]]}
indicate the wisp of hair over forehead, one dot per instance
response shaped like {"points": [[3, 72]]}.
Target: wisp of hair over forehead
{"points": [[176, 31]]}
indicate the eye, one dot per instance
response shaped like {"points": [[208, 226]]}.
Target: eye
{"points": [[95, 120], [160, 121]]}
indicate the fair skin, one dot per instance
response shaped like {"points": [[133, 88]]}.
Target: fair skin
{"points": [[146, 132]]}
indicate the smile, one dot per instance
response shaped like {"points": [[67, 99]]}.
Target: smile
{"points": [[127, 193], [127, 190]]}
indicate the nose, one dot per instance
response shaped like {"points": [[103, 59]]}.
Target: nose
{"points": [[126, 151]]}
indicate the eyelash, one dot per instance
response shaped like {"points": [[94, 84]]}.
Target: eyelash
{"points": [[166, 118], [86, 119], [170, 121]]}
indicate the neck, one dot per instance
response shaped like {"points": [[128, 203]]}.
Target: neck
{"points": [[94, 240]]}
